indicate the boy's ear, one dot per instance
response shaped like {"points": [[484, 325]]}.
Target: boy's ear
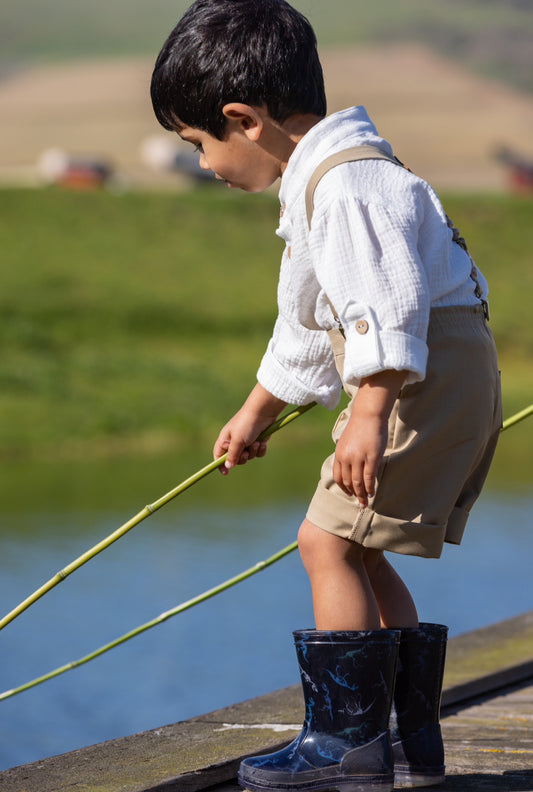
{"points": [[247, 117]]}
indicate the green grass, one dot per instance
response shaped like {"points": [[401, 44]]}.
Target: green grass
{"points": [[131, 314], [137, 321]]}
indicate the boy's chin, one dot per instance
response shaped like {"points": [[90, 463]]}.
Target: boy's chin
{"points": [[258, 188]]}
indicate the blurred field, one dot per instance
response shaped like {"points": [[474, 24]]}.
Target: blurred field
{"points": [[135, 322], [442, 119], [134, 319], [488, 36]]}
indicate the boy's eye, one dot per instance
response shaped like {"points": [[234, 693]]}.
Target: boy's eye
{"points": [[199, 148]]}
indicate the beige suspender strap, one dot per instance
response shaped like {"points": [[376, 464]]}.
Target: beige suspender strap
{"points": [[348, 155], [373, 152]]}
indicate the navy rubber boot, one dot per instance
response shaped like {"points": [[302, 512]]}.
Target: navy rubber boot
{"points": [[344, 746], [416, 736]]}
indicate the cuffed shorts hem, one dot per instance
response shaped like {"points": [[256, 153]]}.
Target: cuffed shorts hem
{"points": [[372, 530]]}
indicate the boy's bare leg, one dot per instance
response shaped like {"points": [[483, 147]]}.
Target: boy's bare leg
{"points": [[350, 593], [343, 598], [396, 605]]}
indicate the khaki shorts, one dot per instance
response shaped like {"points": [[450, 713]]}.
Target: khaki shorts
{"points": [[442, 437]]}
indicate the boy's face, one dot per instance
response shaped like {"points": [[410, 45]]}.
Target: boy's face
{"points": [[238, 160]]}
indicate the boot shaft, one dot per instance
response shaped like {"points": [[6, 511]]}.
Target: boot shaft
{"points": [[348, 681], [419, 676]]}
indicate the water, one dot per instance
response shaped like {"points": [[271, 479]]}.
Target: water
{"points": [[233, 647]]}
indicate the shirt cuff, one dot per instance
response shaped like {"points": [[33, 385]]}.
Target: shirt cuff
{"points": [[370, 349], [280, 383]]}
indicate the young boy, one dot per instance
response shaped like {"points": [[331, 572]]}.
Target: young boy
{"points": [[378, 294]]}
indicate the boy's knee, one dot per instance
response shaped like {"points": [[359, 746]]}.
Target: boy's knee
{"points": [[319, 546], [306, 541], [311, 543]]}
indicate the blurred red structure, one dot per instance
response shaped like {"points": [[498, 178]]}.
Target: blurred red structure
{"points": [[57, 167], [520, 170]]}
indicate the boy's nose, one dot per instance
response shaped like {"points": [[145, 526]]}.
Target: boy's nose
{"points": [[203, 162]]}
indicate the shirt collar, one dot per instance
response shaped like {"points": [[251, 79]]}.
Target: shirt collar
{"points": [[342, 130]]}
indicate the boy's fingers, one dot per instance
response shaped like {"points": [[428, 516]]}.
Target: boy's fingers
{"points": [[261, 451], [256, 449], [250, 451], [354, 482], [237, 455], [370, 483], [221, 445], [370, 477], [237, 452], [343, 476], [360, 492], [364, 484]]}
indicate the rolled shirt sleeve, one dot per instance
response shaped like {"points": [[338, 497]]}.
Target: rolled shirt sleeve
{"points": [[366, 260], [298, 366]]}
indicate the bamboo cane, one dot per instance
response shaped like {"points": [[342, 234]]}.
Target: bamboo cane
{"points": [[142, 515], [512, 421], [154, 622]]}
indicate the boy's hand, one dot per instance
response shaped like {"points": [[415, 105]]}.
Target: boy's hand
{"points": [[239, 436], [363, 442]]}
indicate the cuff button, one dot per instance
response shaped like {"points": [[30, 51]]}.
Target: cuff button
{"points": [[362, 326]]}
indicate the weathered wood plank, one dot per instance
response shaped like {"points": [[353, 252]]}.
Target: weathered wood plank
{"points": [[205, 751], [489, 746], [183, 757], [490, 650]]}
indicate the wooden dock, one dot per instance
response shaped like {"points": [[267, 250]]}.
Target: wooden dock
{"points": [[487, 725]]}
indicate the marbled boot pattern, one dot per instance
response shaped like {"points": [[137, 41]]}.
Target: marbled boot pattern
{"points": [[416, 735], [348, 681]]}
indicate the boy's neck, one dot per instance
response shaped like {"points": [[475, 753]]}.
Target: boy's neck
{"points": [[285, 137], [297, 126]]}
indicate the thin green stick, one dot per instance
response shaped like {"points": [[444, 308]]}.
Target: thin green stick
{"points": [[159, 620], [142, 515], [200, 598], [514, 419]]}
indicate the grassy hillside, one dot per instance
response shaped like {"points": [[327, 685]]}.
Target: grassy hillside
{"points": [[129, 314], [490, 36], [137, 320]]}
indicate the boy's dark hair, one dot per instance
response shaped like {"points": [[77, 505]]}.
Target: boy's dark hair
{"points": [[259, 52]]}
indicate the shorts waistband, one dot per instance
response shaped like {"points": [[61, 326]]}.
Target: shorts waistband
{"points": [[456, 317]]}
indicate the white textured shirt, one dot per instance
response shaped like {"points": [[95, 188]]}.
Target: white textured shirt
{"points": [[381, 250]]}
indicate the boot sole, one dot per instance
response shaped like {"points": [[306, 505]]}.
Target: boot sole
{"points": [[353, 784], [412, 780]]}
